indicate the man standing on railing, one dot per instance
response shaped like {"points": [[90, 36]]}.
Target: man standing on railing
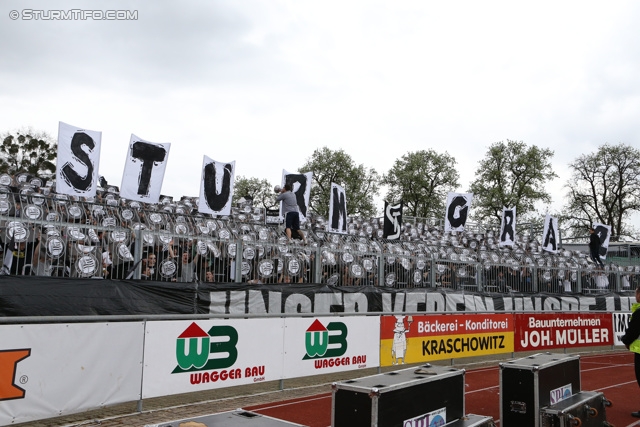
{"points": [[594, 247], [290, 212], [631, 339]]}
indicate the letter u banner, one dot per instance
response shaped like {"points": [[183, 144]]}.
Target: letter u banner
{"points": [[417, 339]]}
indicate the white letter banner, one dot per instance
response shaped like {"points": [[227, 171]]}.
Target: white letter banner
{"points": [[144, 170], [604, 233], [392, 225], [78, 161], [301, 186], [508, 227], [550, 234], [337, 210], [216, 187], [457, 210]]}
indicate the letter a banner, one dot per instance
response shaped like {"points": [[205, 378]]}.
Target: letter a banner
{"points": [[78, 161], [550, 235], [216, 187], [144, 170]]}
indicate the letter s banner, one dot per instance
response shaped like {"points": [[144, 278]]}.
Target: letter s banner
{"points": [[8, 365]]}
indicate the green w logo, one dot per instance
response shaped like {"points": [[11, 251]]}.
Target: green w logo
{"points": [[321, 342], [194, 347]]}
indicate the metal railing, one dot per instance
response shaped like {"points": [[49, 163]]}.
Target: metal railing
{"points": [[58, 236]]}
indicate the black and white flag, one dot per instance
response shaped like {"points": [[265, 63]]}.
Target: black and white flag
{"points": [[392, 221], [508, 227], [144, 170], [550, 235], [603, 232], [301, 186], [7, 262], [457, 210], [78, 161], [337, 209], [272, 216], [216, 187]]}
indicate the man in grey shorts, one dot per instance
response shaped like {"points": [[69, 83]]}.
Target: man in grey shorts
{"points": [[290, 212]]}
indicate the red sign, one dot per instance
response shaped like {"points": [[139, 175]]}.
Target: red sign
{"points": [[547, 331]]}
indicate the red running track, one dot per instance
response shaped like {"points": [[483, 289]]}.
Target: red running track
{"points": [[612, 374]]}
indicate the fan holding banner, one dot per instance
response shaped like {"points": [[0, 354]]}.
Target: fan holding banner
{"points": [[289, 207]]}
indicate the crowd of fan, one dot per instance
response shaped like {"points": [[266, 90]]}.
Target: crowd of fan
{"points": [[47, 234]]}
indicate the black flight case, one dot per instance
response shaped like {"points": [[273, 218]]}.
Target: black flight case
{"points": [[528, 384], [400, 398], [238, 418], [586, 409], [472, 420]]}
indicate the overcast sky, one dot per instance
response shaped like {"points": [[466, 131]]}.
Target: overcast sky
{"points": [[265, 83]]}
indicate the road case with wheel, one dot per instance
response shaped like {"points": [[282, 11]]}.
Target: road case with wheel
{"points": [[472, 420], [531, 383], [586, 409], [238, 418], [427, 395]]}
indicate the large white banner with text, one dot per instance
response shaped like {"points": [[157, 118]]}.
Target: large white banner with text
{"points": [[187, 356], [324, 345], [59, 369]]}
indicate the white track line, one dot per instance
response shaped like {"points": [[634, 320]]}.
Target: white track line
{"points": [[481, 389], [292, 403], [615, 385], [604, 367]]}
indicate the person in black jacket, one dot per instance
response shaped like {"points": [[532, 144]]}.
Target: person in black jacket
{"points": [[594, 247], [631, 339]]}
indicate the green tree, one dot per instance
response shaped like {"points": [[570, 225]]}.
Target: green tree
{"points": [[605, 188], [511, 174], [257, 189], [421, 180], [361, 184], [28, 151]]}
